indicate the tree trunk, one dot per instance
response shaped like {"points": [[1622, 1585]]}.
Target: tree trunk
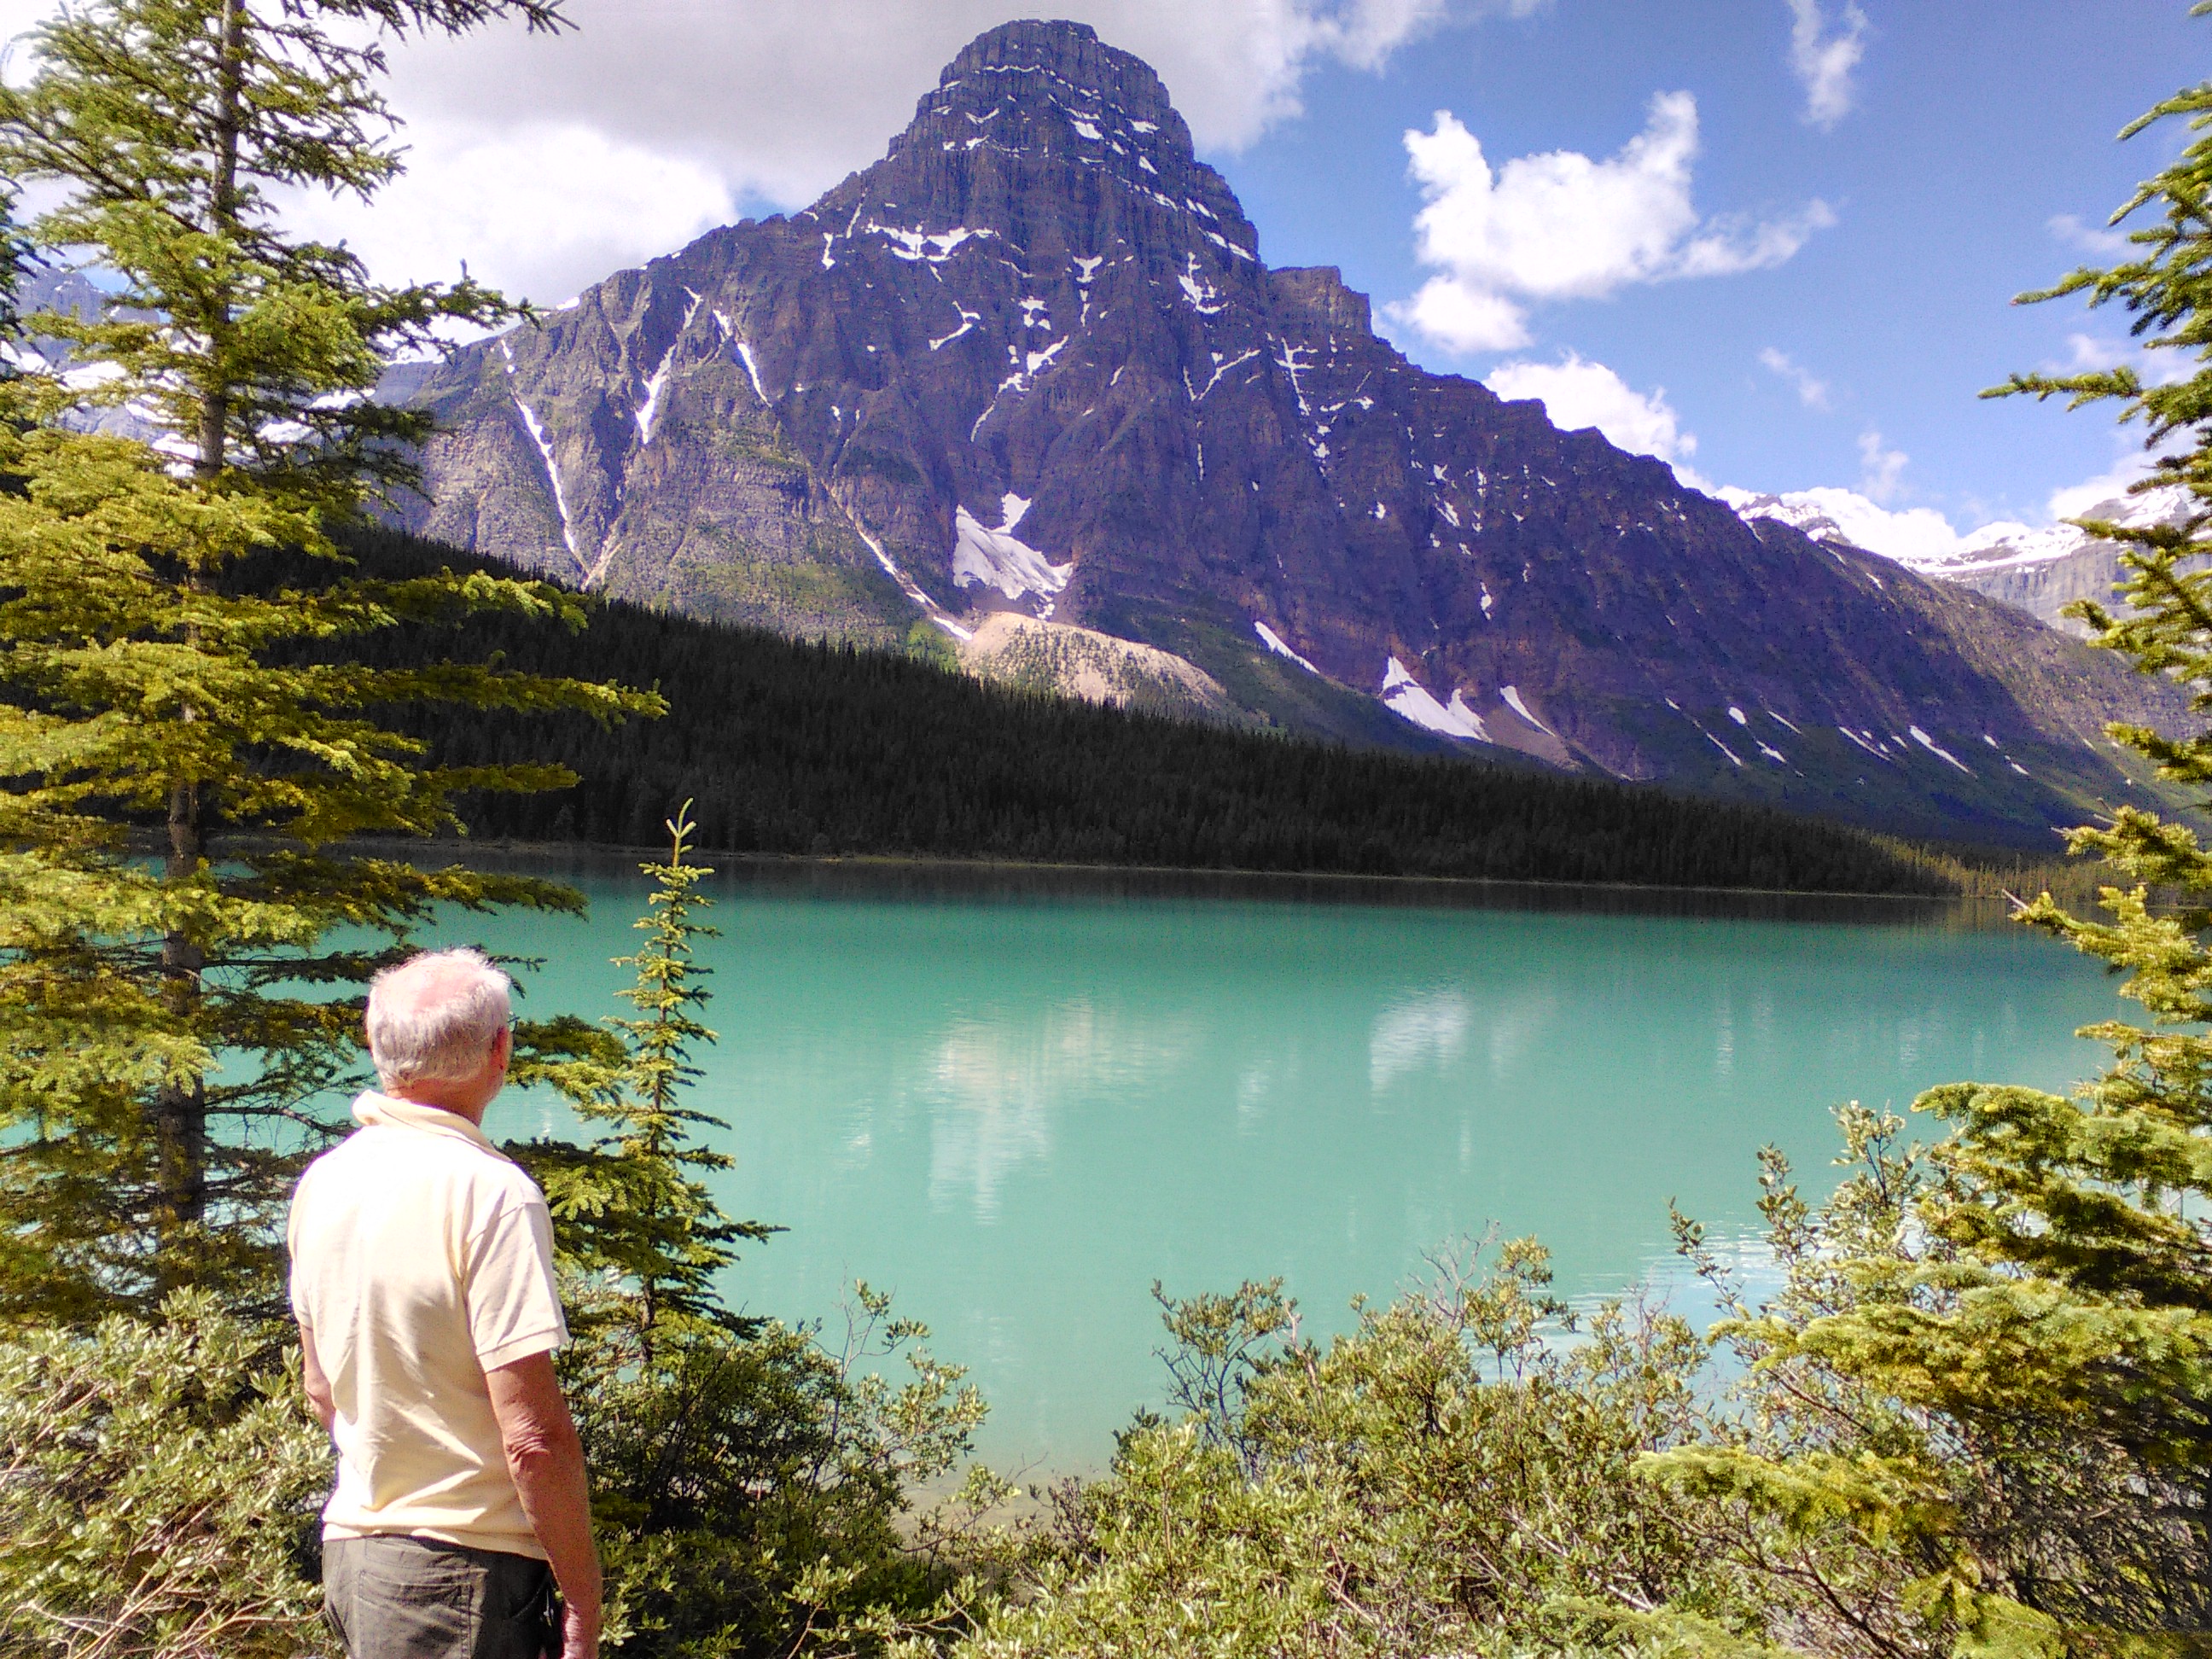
{"points": [[180, 1118], [214, 407], [180, 1108]]}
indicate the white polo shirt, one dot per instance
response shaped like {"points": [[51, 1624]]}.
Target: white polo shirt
{"points": [[422, 1258]]}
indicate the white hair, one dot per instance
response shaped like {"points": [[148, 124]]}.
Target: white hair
{"points": [[432, 1018]]}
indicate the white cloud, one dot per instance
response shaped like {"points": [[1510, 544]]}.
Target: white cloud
{"points": [[536, 211], [1576, 393], [1811, 391], [784, 97], [2075, 499], [1462, 318], [790, 94], [1918, 536], [1561, 226], [1366, 33], [646, 114], [1825, 57], [2102, 240], [1880, 468], [2087, 353]]}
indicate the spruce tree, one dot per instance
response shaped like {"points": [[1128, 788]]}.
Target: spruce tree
{"points": [[174, 1008], [11, 259], [632, 1217], [1984, 1397]]}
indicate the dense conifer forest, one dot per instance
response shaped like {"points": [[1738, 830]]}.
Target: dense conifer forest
{"points": [[789, 747]]}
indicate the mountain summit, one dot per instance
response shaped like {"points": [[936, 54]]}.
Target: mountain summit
{"points": [[1031, 371]]}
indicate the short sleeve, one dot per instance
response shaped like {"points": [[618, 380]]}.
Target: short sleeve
{"points": [[514, 1303]]}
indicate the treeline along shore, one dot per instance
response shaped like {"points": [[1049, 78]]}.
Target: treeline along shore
{"points": [[797, 748]]}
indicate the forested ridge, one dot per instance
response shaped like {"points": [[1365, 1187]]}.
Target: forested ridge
{"points": [[791, 747]]}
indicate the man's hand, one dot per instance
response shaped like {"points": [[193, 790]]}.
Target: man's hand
{"points": [[547, 1462], [579, 1635], [320, 1398]]}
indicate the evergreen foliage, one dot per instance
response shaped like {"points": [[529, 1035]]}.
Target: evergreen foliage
{"points": [[635, 1226], [748, 1482], [794, 748], [1910, 1475], [166, 1026], [169, 124], [11, 273]]}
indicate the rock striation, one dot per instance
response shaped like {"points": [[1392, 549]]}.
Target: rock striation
{"points": [[1032, 362]]}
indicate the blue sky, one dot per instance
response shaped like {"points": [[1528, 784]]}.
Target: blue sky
{"points": [[1871, 254], [1972, 127]]}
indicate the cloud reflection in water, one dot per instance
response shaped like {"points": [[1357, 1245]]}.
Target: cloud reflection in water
{"points": [[999, 1080]]}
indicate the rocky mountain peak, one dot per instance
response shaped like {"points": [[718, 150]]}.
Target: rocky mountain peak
{"points": [[1036, 63], [1039, 132]]}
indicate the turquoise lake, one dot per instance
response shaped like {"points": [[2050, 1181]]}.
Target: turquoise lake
{"points": [[1016, 1104]]}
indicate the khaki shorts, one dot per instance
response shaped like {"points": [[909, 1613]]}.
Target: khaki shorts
{"points": [[411, 1598]]}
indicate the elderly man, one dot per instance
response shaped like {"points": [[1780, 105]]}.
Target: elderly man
{"points": [[422, 1280]]}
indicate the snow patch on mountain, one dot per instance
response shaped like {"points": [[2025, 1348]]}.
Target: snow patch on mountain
{"points": [[983, 557], [1405, 697], [1276, 643], [1513, 700], [1198, 293], [537, 430], [658, 380], [906, 583], [752, 371], [967, 320], [1937, 749], [935, 246], [655, 384]]}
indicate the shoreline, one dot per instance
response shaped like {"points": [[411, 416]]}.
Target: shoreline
{"points": [[1004, 877]]}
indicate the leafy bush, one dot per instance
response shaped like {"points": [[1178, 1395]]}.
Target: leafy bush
{"points": [[1456, 1475], [159, 1491], [749, 1490]]}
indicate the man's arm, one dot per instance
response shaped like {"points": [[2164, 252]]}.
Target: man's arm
{"points": [[547, 1462], [320, 1400]]}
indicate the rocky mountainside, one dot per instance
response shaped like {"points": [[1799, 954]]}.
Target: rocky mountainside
{"points": [[44, 288], [1031, 363], [2040, 571]]}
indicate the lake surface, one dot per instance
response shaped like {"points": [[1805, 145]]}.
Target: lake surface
{"points": [[1018, 1104]]}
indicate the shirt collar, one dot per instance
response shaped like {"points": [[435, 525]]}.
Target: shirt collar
{"points": [[373, 1109]]}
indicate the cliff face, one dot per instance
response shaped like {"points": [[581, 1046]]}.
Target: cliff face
{"points": [[1032, 361], [2045, 588]]}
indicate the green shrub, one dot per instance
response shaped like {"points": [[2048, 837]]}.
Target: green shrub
{"points": [[1457, 1475], [161, 1487], [751, 1491]]}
